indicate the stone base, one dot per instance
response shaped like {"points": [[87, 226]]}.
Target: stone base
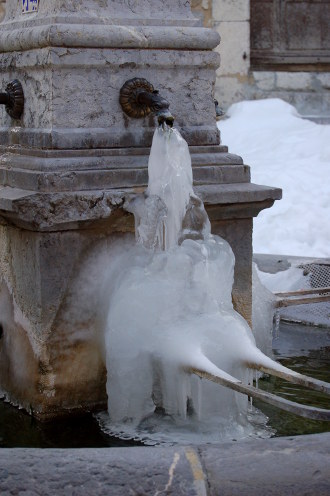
{"points": [[51, 352], [109, 168], [287, 466], [52, 301]]}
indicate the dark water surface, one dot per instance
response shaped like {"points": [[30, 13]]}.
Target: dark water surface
{"points": [[306, 350], [18, 429]]}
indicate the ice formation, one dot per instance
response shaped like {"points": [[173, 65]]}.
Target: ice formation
{"points": [[170, 309]]}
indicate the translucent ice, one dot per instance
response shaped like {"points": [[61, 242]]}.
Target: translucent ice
{"points": [[170, 309]]}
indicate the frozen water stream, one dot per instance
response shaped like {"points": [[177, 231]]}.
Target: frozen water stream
{"points": [[170, 309]]}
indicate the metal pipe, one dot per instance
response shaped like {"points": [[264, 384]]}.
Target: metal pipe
{"points": [[13, 98], [4, 98], [282, 403]]}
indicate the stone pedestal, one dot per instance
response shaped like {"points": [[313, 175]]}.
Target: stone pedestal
{"points": [[69, 165]]}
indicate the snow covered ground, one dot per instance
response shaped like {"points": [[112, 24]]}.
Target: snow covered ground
{"points": [[287, 151]]}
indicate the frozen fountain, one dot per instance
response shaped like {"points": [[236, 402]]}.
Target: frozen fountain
{"points": [[170, 318], [73, 168]]}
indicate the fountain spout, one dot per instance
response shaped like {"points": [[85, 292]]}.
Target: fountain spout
{"points": [[13, 99], [138, 98], [165, 117]]}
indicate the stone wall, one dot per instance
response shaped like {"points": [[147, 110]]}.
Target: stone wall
{"points": [[232, 21], [2, 9], [203, 10], [309, 92]]}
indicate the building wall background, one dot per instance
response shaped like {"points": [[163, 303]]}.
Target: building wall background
{"points": [[308, 91], [2, 9]]}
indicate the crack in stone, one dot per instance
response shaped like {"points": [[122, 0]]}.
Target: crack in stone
{"points": [[171, 474]]}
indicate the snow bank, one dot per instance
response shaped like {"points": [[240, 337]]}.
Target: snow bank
{"points": [[287, 151]]}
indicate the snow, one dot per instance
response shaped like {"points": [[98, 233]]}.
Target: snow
{"points": [[292, 279], [292, 153]]}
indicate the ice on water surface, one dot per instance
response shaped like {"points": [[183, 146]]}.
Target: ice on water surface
{"points": [[170, 308]]}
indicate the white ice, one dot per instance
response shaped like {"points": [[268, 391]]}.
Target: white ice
{"points": [[170, 310]]}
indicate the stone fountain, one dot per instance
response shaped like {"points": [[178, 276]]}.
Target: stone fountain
{"points": [[72, 158]]}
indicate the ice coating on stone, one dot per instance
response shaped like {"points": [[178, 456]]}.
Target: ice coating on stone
{"points": [[170, 309], [169, 312], [170, 186], [170, 178], [263, 309]]}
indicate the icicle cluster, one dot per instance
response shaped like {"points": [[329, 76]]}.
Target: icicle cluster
{"points": [[170, 308]]}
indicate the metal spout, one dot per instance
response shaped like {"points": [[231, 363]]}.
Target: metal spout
{"points": [[165, 117], [13, 99], [138, 98]]}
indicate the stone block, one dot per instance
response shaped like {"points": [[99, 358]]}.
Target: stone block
{"points": [[264, 80], [299, 465], [51, 356], [324, 79], [143, 11], [2, 11], [90, 176], [55, 117], [202, 9], [231, 89], [294, 81], [231, 10], [287, 466], [306, 102], [234, 48], [238, 233]]}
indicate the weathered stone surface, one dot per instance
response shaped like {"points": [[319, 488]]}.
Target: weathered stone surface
{"points": [[234, 48], [86, 53], [51, 357], [103, 169], [238, 233], [237, 193], [119, 472], [81, 209], [264, 80], [108, 36], [57, 81], [295, 81], [107, 11], [281, 466], [62, 211], [202, 9], [2, 9], [230, 10]]}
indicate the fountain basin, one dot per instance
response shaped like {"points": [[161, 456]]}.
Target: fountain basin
{"points": [[69, 165], [301, 348]]}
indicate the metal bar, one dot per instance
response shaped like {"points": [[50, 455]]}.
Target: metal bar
{"points": [[4, 98], [287, 302], [293, 377], [282, 403], [302, 292]]}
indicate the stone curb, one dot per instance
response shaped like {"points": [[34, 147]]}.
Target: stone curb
{"points": [[279, 466]]}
